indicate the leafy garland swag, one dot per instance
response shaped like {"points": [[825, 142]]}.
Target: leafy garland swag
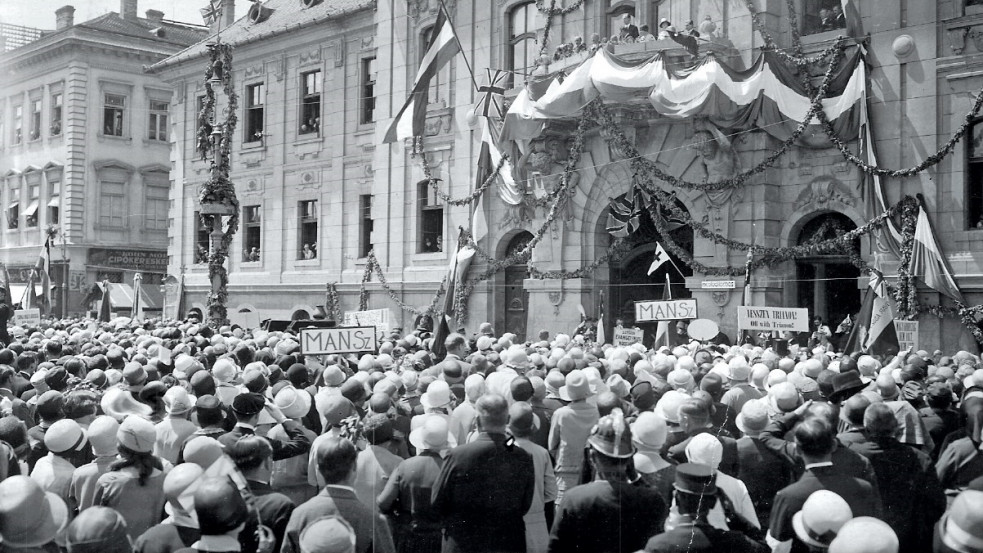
{"points": [[219, 190], [372, 266]]}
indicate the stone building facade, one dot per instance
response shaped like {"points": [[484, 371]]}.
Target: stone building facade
{"points": [[367, 194], [84, 151]]}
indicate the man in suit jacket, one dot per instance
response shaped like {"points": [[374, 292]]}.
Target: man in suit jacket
{"points": [[816, 440], [253, 456], [458, 350], [336, 461], [694, 418], [485, 487], [247, 408]]}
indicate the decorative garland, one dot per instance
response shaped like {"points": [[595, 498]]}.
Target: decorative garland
{"points": [[470, 198], [553, 11], [363, 293], [797, 59], [430, 310], [219, 188], [905, 296], [333, 302], [547, 28], [616, 251]]}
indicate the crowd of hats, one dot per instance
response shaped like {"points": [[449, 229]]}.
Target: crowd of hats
{"points": [[104, 386]]}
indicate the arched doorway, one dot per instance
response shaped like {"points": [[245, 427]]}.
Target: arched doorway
{"points": [[827, 284], [515, 300], [630, 280]]}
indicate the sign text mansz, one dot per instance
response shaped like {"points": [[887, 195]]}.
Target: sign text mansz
{"points": [[670, 310], [350, 339]]}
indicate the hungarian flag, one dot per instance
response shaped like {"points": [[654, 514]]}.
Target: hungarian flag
{"points": [[927, 261], [443, 46], [41, 273], [105, 306], [662, 331], [460, 263], [851, 12], [488, 159], [874, 331]]}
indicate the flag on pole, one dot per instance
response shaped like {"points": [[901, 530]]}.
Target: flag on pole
{"points": [[874, 331], [459, 264], [490, 99], [745, 335], [886, 239], [180, 300], [488, 159], [211, 12], [601, 335], [660, 257], [105, 306], [851, 13], [43, 271], [662, 337], [136, 312], [927, 261], [443, 46]]}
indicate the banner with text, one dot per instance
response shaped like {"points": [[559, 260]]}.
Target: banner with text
{"points": [[382, 319], [628, 336], [795, 319], [27, 317], [907, 334], [352, 339], [665, 310]]}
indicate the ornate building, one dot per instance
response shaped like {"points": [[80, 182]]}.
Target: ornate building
{"points": [[84, 152], [348, 193]]}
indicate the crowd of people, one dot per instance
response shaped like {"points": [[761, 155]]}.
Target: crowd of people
{"points": [[165, 436]]}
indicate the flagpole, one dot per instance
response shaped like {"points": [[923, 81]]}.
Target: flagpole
{"points": [[467, 64]]}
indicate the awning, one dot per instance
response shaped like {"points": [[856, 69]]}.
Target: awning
{"points": [[18, 292], [13, 205], [54, 202], [121, 296], [151, 297], [31, 209]]}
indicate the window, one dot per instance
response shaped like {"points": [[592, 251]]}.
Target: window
{"points": [[3, 129], [431, 219], [254, 112], [158, 121], [819, 16], [54, 200], [364, 225], [18, 124], [31, 213], [112, 211], [202, 230], [251, 236], [112, 114], [13, 209], [974, 177], [367, 99], [56, 105], [310, 102], [522, 38], [157, 204], [308, 229], [35, 119]]}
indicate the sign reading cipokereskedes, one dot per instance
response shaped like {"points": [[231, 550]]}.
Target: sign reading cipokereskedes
{"points": [[795, 319], [669, 310], [343, 339]]}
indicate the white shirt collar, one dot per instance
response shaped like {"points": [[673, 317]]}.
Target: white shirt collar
{"points": [[818, 465]]}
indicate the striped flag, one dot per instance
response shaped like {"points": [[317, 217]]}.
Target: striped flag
{"points": [[601, 337], [41, 272], [927, 261], [460, 262], [662, 337], [874, 332], [490, 102], [746, 336], [851, 12], [444, 45], [488, 159]]}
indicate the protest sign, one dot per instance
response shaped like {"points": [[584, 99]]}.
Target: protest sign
{"points": [[670, 310], [351, 339], [794, 319], [627, 336], [381, 319], [27, 317], [907, 334]]}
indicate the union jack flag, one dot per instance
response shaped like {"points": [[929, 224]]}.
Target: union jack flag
{"points": [[490, 99], [626, 214], [211, 12]]}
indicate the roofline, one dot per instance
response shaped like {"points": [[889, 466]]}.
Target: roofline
{"points": [[174, 59]]}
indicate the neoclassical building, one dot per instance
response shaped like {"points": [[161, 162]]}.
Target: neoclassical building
{"points": [[85, 139], [334, 183]]}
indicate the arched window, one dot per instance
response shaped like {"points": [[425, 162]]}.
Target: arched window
{"points": [[522, 38]]}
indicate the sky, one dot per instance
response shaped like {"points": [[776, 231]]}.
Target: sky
{"points": [[41, 13]]}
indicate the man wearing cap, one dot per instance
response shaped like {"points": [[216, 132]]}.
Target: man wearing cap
{"points": [[485, 487], [569, 429], [50, 409], [695, 494], [330, 534], [175, 429], [336, 461], [909, 487], [611, 509], [763, 471], [247, 408], [67, 449]]}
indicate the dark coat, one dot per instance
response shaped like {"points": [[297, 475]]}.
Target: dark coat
{"points": [[484, 489], [274, 509], [605, 516], [764, 472], [406, 500], [297, 445], [166, 538], [371, 529], [703, 538]]}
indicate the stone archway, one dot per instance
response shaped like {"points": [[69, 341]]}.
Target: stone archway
{"points": [[511, 298]]}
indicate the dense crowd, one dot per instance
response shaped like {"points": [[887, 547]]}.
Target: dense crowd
{"points": [[159, 437]]}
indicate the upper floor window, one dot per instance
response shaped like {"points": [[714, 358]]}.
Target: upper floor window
{"points": [[974, 176], [522, 38], [310, 102], [112, 207], [252, 232], [157, 204], [114, 106], [254, 112], [31, 213], [35, 119], [364, 225], [157, 123], [307, 224], [54, 200], [819, 16], [18, 124], [202, 230], [431, 219], [367, 92], [56, 110]]}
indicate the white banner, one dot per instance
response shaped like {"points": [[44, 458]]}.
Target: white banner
{"points": [[27, 317], [794, 319], [718, 284], [627, 336], [907, 334], [353, 339], [381, 319], [670, 310]]}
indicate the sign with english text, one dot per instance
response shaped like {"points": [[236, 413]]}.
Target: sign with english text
{"points": [[793, 319], [350, 339], [670, 310]]}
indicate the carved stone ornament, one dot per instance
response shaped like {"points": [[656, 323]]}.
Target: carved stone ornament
{"points": [[556, 298], [977, 35], [416, 8], [822, 191], [437, 124], [720, 297]]}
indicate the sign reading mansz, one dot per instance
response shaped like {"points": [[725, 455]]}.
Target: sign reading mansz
{"points": [[669, 310], [795, 319], [351, 339]]}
